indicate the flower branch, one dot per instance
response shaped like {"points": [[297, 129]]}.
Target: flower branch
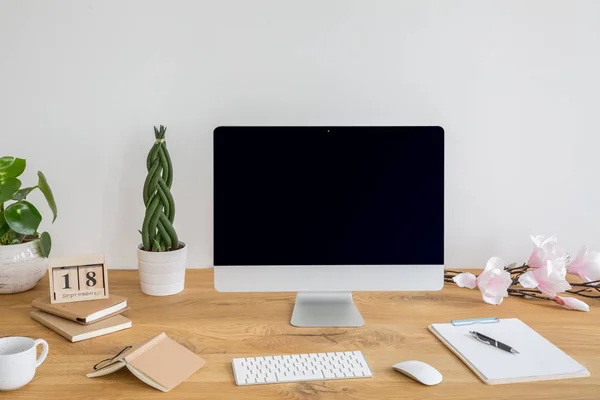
{"points": [[543, 276]]}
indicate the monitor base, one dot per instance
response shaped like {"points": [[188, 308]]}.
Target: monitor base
{"points": [[326, 309]]}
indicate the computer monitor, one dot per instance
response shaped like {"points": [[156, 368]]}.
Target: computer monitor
{"points": [[324, 211]]}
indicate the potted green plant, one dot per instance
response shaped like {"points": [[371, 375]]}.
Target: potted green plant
{"points": [[161, 256], [23, 250]]}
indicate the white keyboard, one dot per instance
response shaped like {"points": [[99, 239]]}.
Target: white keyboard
{"points": [[300, 367]]}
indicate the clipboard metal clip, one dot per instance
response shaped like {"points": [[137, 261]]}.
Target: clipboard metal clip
{"points": [[473, 321]]}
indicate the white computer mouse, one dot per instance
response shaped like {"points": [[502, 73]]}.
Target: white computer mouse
{"points": [[419, 371]]}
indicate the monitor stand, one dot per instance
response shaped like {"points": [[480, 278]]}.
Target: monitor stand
{"points": [[326, 309]]}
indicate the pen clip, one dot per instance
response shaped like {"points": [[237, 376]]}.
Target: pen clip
{"points": [[478, 337]]}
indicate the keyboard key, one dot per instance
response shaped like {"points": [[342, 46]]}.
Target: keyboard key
{"points": [[239, 361], [297, 378]]}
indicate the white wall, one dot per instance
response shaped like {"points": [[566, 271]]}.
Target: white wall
{"points": [[514, 83]]}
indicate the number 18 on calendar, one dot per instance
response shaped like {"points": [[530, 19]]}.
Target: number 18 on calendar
{"points": [[78, 278]]}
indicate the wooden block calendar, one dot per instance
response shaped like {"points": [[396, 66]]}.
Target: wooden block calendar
{"points": [[78, 278]]}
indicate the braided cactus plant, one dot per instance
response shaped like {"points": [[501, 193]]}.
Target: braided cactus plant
{"points": [[158, 233]]}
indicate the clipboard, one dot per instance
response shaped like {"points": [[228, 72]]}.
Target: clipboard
{"points": [[538, 360]]}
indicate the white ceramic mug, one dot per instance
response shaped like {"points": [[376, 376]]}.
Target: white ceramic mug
{"points": [[18, 360]]}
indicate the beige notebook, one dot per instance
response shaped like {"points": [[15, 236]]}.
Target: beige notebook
{"points": [[159, 362], [538, 360], [76, 332], [83, 312]]}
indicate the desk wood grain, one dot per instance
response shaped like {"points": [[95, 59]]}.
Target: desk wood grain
{"points": [[221, 326]]}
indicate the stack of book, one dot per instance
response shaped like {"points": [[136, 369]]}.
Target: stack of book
{"points": [[84, 319]]}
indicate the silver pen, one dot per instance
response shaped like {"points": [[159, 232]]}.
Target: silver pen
{"points": [[493, 342]]}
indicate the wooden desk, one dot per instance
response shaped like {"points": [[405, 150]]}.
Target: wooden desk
{"points": [[220, 326]]}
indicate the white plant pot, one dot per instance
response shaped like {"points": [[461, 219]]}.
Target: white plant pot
{"points": [[21, 266], [162, 273]]}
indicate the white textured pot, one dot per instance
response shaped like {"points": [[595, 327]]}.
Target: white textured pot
{"points": [[162, 273], [21, 266]]}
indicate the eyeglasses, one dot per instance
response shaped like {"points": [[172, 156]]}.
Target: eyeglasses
{"points": [[109, 361]]}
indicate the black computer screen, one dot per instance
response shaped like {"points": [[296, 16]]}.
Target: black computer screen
{"points": [[328, 196]]}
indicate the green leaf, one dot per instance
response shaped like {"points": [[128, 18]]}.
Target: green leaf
{"points": [[8, 237], [45, 189], [3, 225], [23, 217], [8, 187], [21, 194], [11, 167], [45, 243]]}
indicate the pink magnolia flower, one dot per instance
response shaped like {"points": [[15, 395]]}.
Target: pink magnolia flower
{"points": [[546, 249], [586, 265], [493, 281], [572, 303], [549, 279]]}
